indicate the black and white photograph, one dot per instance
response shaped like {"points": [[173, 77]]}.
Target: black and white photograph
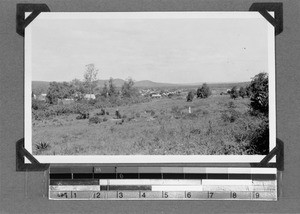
{"points": [[150, 86]]}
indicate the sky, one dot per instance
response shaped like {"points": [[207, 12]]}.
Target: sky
{"points": [[164, 50]]}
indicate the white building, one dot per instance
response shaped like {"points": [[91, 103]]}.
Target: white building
{"points": [[90, 96]]}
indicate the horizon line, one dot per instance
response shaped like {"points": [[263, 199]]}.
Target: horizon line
{"points": [[190, 83]]}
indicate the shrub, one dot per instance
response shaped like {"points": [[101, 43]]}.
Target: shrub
{"points": [[234, 93], [41, 146], [242, 92], [118, 115], [195, 131], [95, 120], [190, 97], [204, 91], [83, 116], [259, 138], [102, 112], [151, 112], [92, 101], [259, 94], [230, 115], [231, 105], [39, 105]]}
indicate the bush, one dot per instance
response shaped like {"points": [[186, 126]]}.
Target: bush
{"points": [[118, 115], [242, 92], [234, 93], [102, 112], [231, 105], [92, 101], [259, 142], [204, 91], [83, 116], [190, 97], [230, 116], [95, 120], [259, 94], [39, 105], [41, 147]]}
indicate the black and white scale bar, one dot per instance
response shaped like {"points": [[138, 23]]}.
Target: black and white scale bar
{"points": [[161, 173], [163, 195]]}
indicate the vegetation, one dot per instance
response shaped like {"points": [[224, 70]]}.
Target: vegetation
{"points": [[128, 90], [242, 92], [122, 121], [234, 93], [41, 147], [190, 96], [90, 77], [259, 107], [204, 91], [59, 90], [259, 94]]}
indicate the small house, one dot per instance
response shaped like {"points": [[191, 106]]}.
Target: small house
{"points": [[90, 96]]}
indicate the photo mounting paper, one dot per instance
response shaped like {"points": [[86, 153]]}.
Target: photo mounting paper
{"points": [[149, 87]]}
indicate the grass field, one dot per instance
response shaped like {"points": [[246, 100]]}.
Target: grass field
{"points": [[216, 125]]}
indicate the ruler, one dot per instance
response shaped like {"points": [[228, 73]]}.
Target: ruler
{"points": [[162, 183]]}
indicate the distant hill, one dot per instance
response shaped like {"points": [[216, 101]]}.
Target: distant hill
{"points": [[117, 82], [150, 84], [39, 87], [228, 85]]}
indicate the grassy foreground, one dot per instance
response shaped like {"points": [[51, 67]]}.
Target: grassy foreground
{"points": [[217, 125]]}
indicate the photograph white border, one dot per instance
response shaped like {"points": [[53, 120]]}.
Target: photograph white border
{"points": [[148, 158]]}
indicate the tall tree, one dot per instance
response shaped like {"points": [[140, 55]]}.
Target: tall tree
{"points": [[79, 89], [58, 90], [127, 89], [112, 91], [90, 77]]}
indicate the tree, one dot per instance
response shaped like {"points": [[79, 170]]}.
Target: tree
{"points": [[259, 97], [104, 91], [79, 89], [204, 91], [58, 90], [128, 90], [242, 92], [90, 78], [234, 92], [112, 91], [190, 96]]}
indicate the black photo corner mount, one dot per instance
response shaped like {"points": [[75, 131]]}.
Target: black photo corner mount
{"points": [[263, 9], [21, 153], [21, 24], [278, 150], [35, 10]]}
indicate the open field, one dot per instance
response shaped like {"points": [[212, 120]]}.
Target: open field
{"points": [[215, 126]]}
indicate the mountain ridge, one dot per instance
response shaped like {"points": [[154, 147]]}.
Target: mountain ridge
{"points": [[42, 86]]}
